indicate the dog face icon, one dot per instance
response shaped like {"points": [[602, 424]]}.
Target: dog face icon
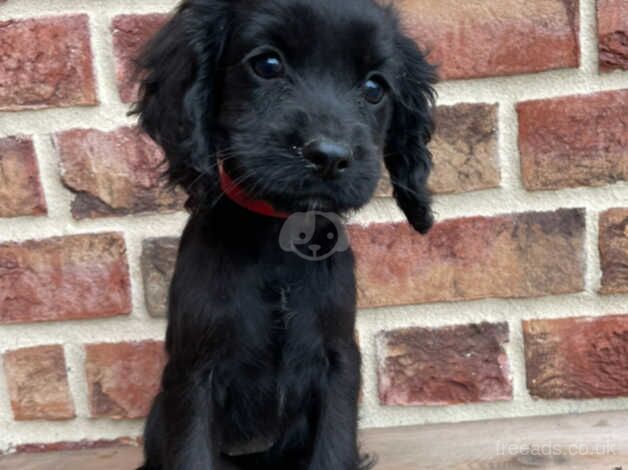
{"points": [[314, 236]]}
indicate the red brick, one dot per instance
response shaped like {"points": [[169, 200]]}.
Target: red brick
{"points": [[577, 357], [46, 62], [574, 141], [464, 150], [130, 34], [64, 278], [20, 188], [614, 251], [114, 173], [509, 256], [38, 383], [444, 366], [123, 378], [480, 38], [612, 24]]}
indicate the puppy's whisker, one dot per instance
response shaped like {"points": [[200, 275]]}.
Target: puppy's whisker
{"points": [[406, 188], [234, 184], [260, 187], [203, 172]]}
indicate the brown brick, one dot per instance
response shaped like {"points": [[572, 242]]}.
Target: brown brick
{"points": [[444, 366], [577, 357], [64, 278], [480, 38], [123, 378], [464, 150], [20, 188], [509, 256], [612, 24], [114, 173], [614, 251], [130, 34], [158, 260], [38, 383], [574, 141], [46, 62]]}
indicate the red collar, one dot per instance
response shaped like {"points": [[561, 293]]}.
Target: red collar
{"points": [[238, 195]]}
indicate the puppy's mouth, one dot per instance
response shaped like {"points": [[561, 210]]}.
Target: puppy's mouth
{"points": [[305, 202], [319, 203]]}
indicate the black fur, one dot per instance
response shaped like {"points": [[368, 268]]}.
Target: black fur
{"points": [[260, 341]]}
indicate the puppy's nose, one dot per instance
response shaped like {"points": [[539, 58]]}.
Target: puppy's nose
{"points": [[329, 158]]}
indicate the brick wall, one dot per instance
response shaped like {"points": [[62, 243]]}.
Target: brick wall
{"points": [[515, 304]]}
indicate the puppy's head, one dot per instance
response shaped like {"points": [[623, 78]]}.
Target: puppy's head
{"points": [[297, 100]]}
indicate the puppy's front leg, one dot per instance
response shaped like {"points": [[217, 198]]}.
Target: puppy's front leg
{"points": [[187, 409], [336, 436]]}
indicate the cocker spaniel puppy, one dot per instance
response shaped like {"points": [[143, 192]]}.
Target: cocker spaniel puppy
{"points": [[275, 116]]}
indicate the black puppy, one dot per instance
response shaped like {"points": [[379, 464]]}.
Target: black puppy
{"points": [[267, 109]]}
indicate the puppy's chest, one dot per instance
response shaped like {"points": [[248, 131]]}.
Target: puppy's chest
{"points": [[287, 336], [272, 383], [282, 318], [297, 345], [285, 314]]}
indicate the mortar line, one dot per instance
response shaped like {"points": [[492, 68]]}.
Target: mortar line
{"points": [[82, 428], [369, 368], [134, 252], [425, 315], [103, 58], [58, 198], [489, 203], [516, 356], [35, 9], [113, 114], [588, 38], [507, 145], [592, 254], [75, 362], [6, 413]]}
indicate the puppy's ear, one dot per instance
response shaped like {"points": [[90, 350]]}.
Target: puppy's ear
{"points": [[179, 89], [407, 157]]}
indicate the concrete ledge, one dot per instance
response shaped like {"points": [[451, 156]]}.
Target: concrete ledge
{"points": [[596, 441]]}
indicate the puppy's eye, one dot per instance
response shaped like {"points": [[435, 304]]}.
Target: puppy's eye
{"points": [[268, 65], [375, 89]]}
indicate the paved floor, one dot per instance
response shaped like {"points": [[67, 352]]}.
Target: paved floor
{"points": [[597, 441]]}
